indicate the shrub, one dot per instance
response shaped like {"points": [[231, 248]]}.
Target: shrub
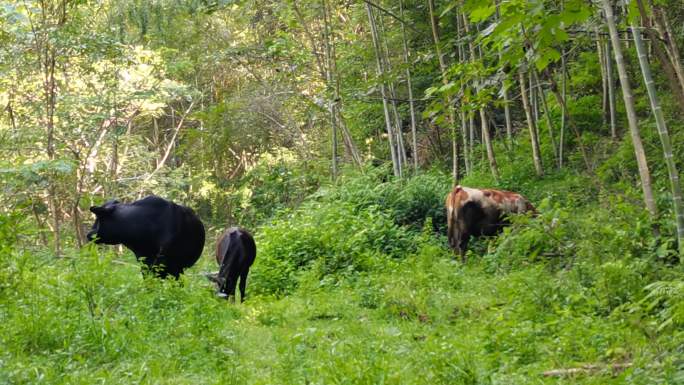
{"points": [[338, 237], [560, 237], [666, 299], [419, 198], [409, 202], [277, 181]]}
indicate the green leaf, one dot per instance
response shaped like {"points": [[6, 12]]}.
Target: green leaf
{"points": [[448, 87], [430, 91], [448, 8], [548, 56], [482, 13]]}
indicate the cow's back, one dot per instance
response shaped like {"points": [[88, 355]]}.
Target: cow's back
{"points": [[249, 247], [236, 243], [185, 236]]}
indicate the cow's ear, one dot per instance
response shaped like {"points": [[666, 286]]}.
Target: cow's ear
{"points": [[101, 210]]}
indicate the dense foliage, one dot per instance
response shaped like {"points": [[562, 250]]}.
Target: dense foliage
{"points": [[345, 293], [333, 131]]}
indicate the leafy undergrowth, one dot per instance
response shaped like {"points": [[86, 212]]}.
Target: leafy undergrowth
{"points": [[344, 292], [425, 319]]}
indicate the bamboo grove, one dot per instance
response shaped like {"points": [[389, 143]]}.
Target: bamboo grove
{"points": [[123, 98]]}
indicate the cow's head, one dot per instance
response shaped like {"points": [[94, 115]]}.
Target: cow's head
{"points": [[104, 229]]}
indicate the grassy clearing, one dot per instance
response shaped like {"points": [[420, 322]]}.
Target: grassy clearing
{"points": [[425, 319]]}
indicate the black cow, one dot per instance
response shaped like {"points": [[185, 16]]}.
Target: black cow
{"points": [[166, 237], [235, 253]]}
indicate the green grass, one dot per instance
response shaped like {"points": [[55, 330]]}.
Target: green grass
{"points": [[425, 319]]}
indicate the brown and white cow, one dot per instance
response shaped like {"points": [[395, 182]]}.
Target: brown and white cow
{"points": [[475, 212]]}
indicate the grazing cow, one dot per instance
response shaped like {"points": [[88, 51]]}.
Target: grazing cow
{"points": [[166, 237], [475, 212], [235, 253]]}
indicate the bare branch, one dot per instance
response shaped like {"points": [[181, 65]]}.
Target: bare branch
{"points": [[170, 145]]}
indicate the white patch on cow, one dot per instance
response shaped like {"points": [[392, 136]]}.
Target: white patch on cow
{"points": [[511, 202], [476, 195]]}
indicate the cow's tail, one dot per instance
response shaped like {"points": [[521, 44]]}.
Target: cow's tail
{"points": [[452, 213]]}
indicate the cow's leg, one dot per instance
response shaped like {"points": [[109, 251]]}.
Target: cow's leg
{"points": [[154, 270], [229, 286], [162, 270], [146, 270], [175, 273], [243, 284], [463, 247], [156, 266]]}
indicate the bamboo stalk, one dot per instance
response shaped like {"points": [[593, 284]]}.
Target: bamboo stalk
{"points": [[677, 201], [639, 152], [531, 125]]}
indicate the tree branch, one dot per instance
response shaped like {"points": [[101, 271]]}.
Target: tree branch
{"points": [[170, 145], [586, 369], [387, 12]]}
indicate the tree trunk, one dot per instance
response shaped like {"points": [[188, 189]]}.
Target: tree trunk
{"points": [[167, 152], [471, 138], [678, 203], [401, 149], [488, 145], [410, 89], [507, 114], [464, 134], [561, 100], [329, 86], [462, 57], [506, 99], [611, 92], [665, 31], [347, 138], [455, 171], [50, 89], [346, 135], [675, 81], [322, 69], [486, 139], [564, 81], [547, 113], [333, 127], [380, 72], [604, 81], [533, 99], [536, 153], [644, 172]]}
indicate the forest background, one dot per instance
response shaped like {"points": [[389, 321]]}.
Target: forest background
{"points": [[334, 130]]}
